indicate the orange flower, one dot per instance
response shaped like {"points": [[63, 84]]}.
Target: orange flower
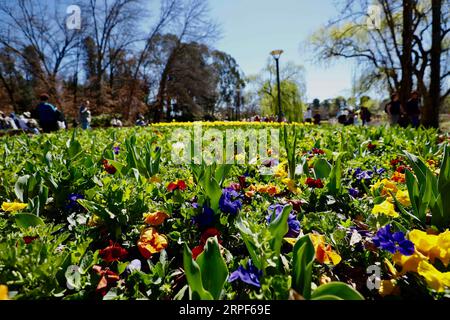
{"points": [[151, 242], [324, 253], [398, 177], [155, 218]]}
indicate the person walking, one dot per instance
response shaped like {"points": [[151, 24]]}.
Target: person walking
{"points": [[308, 115], [413, 109], [394, 108], [85, 115], [46, 114]]}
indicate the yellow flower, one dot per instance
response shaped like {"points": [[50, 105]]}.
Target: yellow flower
{"points": [[389, 288], [3, 292], [280, 172], [155, 179], [155, 218], [385, 208], [435, 279], [408, 263], [290, 184], [151, 242], [403, 197], [324, 253], [291, 241], [388, 186], [432, 246], [13, 206]]}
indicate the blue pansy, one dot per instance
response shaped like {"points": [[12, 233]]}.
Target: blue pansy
{"points": [[229, 202], [205, 218], [73, 204], [293, 223], [393, 242], [250, 275]]}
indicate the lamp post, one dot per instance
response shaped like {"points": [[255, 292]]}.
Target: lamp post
{"points": [[238, 103], [276, 54]]}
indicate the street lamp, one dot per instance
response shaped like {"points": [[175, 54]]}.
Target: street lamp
{"points": [[238, 103], [276, 54]]}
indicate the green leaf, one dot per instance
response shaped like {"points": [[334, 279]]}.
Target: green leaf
{"points": [[194, 277], [336, 289], [248, 238], [302, 260], [21, 188], [213, 268], [322, 169], [27, 220], [278, 228]]}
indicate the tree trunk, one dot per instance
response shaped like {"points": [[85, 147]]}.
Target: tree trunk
{"points": [[430, 114], [407, 68]]}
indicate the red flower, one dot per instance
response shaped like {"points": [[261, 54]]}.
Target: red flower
{"points": [[107, 277], [396, 162], [29, 239], [197, 251], [401, 169], [242, 182], [208, 233], [371, 147], [109, 167], [180, 185], [296, 204], [114, 252], [317, 151], [312, 183]]}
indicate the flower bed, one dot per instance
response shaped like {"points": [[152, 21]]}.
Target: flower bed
{"points": [[346, 213]]}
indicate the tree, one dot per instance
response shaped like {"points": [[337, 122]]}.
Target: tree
{"points": [[388, 56], [292, 86], [40, 39]]}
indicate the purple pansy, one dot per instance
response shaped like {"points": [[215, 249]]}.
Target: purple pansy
{"points": [[229, 202], [293, 223], [73, 204], [250, 275], [393, 242], [205, 218], [353, 192], [116, 149]]}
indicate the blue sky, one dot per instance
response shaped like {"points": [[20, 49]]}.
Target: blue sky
{"points": [[253, 28]]}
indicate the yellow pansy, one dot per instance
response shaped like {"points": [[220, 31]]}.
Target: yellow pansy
{"points": [[324, 252], [385, 208], [290, 184], [280, 171], [432, 246], [3, 292], [155, 179], [403, 197], [388, 187], [388, 288], [291, 241], [408, 263], [13, 206], [435, 279]]}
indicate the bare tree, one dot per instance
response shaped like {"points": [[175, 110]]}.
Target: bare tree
{"points": [[38, 26]]}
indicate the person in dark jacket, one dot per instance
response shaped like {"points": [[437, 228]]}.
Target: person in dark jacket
{"points": [[46, 114], [413, 109], [394, 109]]}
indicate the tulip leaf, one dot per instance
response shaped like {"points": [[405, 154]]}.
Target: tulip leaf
{"points": [[194, 277], [338, 289], [27, 220], [213, 268], [278, 228], [302, 261], [322, 169]]}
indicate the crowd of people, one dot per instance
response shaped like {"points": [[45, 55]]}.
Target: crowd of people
{"points": [[45, 117], [404, 115]]}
